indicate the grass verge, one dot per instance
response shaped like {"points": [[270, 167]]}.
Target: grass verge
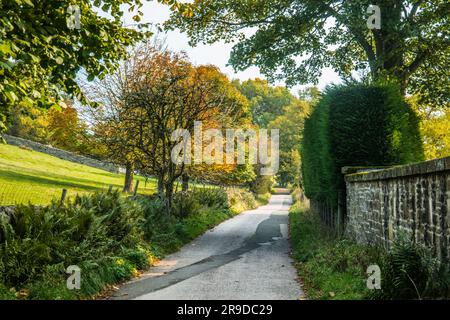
{"points": [[329, 268]]}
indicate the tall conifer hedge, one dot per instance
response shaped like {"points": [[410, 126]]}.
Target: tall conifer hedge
{"points": [[356, 125]]}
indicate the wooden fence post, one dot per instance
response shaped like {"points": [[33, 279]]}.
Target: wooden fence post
{"points": [[340, 215], [136, 188], [63, 195]]}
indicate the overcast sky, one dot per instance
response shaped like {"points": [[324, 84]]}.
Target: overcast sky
{"points": [[217, 54]]}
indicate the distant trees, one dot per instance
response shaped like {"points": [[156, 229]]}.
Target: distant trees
{"points": [[435, 131], [277, 108], [28, 122], [434, 127], [266, 102], [67, 131], [291, 124], [59, 126]]}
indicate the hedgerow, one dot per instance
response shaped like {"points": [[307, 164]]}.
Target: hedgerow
{"points": [[356, 125]]}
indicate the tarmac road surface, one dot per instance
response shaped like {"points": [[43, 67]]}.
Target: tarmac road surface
{"points": [[246, 257]]}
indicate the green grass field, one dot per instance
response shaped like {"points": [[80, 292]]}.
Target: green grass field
{"points": [[30, 176]]}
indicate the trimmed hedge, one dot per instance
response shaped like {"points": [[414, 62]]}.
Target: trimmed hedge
{"points": [[356, 125]]}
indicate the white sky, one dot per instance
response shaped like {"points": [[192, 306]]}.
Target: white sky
{"points": [[217, 54]]}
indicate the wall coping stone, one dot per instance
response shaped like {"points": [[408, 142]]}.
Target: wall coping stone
{"points": [[373, 173]]}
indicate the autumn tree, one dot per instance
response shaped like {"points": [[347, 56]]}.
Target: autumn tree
{"points": [[106, 119], [167, 93], [434, 129], [28, 121], [237, 116], [66, 130], [294, 40]]}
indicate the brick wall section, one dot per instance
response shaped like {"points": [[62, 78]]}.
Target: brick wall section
{"points": [[412, 199], [62, 154]]}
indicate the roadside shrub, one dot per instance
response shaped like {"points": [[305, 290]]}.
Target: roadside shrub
{"points": [[39, 239], [240, 200], [109, 237], [215, 197], [118, 216], [409, 271], [101, 272], [186, 204], [138, 257], [356, 125], [262, 184], [206, 218], [262, 199], [317, 164], [6, 294], [191, 202]]}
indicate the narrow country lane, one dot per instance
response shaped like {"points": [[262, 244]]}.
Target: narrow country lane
{"points": [[246, 257]]}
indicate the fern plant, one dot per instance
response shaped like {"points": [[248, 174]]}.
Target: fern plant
{"points": [[409, 271]]}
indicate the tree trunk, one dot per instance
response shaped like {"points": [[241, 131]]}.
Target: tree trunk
{"points": [[390, 46], [169, 196], [129, 175], [161, 187], [185, 183]]}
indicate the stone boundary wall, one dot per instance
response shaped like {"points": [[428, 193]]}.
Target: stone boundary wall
{"points": [[412, 199], [62, 154]]}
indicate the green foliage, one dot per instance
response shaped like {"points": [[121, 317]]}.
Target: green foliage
{"points": [[266, 102], [434, 127], [356, 125], [262, 184], [189, 203], [409, 271], [290, 124], [40, 55], [83, 230], [263, 199], [215, 197], [317, 164], [294, 40], [106, 235], [100, 233], [5, 293], [240, 200], [28, 122], [329, 268]]}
